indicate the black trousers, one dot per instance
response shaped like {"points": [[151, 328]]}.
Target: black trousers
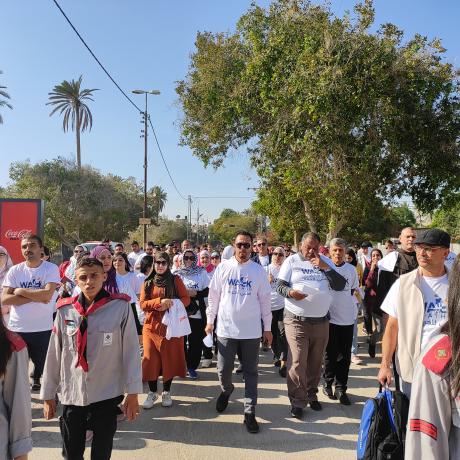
{"points": [[336, 371], [37, 346], [194, 344], [100, 417], [279, 343]]}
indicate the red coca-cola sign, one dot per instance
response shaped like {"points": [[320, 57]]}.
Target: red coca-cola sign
{"points": [[17, 234], [18, 217]]}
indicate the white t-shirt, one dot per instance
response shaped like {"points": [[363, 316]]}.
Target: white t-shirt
{"points": [[132, 258], [450, 260], [140, 278], [239, 294], [434, 291], [264, 260], [299, 274], [137, 263], [343, 309], [127, 284], [32, 316], [276, 300], [197, 282]]}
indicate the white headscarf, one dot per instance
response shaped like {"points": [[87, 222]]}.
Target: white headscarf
{"points": [[5, 264]]}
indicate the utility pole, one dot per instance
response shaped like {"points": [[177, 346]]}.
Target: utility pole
{"points": [[145, 221], [189, 218]]}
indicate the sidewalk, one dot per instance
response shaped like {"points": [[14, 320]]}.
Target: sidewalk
{"points": [[192, 429]]}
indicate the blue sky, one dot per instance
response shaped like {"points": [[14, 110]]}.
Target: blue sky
{"points": [[144, 44]]}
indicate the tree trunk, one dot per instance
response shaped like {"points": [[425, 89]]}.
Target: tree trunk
{"points": [[78, 137], [296, 238], [309, 216], [335, 225]]}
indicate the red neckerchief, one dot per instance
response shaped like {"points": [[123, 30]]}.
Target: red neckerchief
{"points": [[101, 299]]}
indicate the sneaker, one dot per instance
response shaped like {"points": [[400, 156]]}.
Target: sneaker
{"points": [[329, 393], [296, 412], [342, 397], [355, 359], [239, 369], [206, 363], [150, 401], [315, 405], [371, 350], [166, 400], [251, 423], [36, 386], [192, 374], [222, 402]]}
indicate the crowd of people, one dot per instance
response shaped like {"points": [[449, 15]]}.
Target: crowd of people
{"points": [[105, 322]]}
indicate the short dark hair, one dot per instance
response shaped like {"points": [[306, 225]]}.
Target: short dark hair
{"points": [[134, 242], [118, 245], [243, 233], [33, 236], [389, 242], [89, 262], [150, 243], [46, 251]]}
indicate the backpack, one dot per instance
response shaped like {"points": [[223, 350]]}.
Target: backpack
{"points": [[383, 426]]}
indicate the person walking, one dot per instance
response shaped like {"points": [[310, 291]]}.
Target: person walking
{"points": [[305, 280], [161, 356], [29, 288], [279, 344], [196, 281], [239, 297]]}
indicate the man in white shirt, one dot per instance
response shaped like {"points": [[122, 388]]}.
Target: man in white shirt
{"points": [[149, 251], [262, 257], [239, 296], [136, 251], [417, 308], [29, 287], [343, 312]]}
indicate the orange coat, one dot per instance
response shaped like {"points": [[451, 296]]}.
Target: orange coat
{"points": [[161, 356]]}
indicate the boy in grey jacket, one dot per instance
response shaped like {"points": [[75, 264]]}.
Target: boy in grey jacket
{"points": [[94, 358]]}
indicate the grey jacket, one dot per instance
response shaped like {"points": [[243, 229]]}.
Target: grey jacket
{"points": [[15, 405], [113, 357]]}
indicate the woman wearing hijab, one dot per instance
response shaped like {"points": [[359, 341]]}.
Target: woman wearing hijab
{"points": [[279, 344], [5, 264], [161, 356], [15, 416], [205, 262], [196, 281], [103, 254]]}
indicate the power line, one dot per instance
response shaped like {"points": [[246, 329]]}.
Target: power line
{"points": [[222, 197], [164, 161], [122, 92], [94, 56]]}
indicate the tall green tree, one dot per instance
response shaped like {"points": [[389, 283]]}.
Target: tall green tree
{"points": [[156, 200], [338, 115], [228, 223], [81, 204], [4, 98], [448, 218], [71, 101]]}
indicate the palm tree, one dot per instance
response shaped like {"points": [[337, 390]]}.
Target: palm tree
{"points": [[157, 198], [69, 99], [4, 102]]}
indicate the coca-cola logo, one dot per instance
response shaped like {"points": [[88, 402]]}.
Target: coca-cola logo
{"points": [[17, 234]]}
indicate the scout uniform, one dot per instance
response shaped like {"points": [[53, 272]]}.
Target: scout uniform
{"points": [[94, 358], [15, 414], [433, 431]]}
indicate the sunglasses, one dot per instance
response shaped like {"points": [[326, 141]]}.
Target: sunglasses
{"points": [[243, 245], [215, 257], [261, 244], [162, 263], [188, 258], [278, 254], [78, 251]]}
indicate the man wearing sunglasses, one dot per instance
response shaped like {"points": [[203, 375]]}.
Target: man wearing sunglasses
{"points": [[239, 297], [262, 256], [417, 308]]}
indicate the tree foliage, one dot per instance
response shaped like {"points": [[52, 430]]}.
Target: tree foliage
{"points": [[71, 101], [156, 200], [80, 204], [4, 98], [228, 223], [331, 114], [448, 218], [166, 231]]}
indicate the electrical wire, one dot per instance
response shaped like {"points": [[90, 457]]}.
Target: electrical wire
{"points": [[94, 56]]}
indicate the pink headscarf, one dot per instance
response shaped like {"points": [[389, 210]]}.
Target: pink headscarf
{"points": [[210, 266], [110, 284]]}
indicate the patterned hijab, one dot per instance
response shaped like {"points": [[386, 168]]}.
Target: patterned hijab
{"points": [[164, 280], [110, 284], [194, 269]]}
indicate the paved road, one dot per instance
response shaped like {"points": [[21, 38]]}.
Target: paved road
{"points": [[192, 429]]}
